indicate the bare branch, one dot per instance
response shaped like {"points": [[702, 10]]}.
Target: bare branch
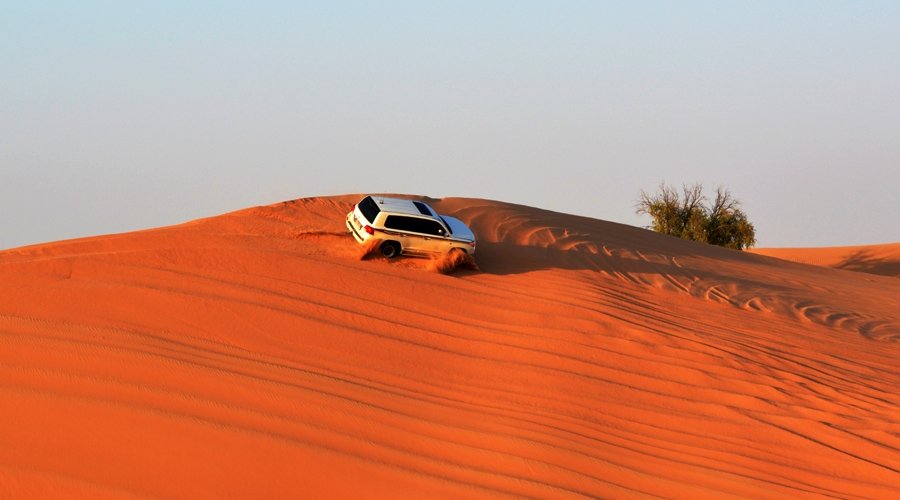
{"points": [[686, 215]]}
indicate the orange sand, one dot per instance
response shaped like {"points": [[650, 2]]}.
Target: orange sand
{"points": [[873, 259], [256, 355]]}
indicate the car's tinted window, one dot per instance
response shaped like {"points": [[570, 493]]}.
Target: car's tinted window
{"points": [[369, 208], [430, 227], [398, 222], [423, 209], [448, 225], [413, 225]]}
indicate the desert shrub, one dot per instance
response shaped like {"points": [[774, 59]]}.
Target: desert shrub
{"points": [[687, 215]]}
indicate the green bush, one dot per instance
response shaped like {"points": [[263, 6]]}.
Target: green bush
{"points": [[687, 215]]}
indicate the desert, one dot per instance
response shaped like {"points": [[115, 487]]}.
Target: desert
{"points": [[261, 354], [873, 259]]}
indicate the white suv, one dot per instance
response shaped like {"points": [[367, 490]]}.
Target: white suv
{"points": [[407, 227]]}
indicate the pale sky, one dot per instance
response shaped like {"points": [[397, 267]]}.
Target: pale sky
{"points": [[119, 115]]}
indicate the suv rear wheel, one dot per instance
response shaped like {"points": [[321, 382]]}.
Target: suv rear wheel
{"points": [[390, 249]]}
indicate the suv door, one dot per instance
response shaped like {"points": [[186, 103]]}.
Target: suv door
{"points": [[433, 235], [417, 234]]}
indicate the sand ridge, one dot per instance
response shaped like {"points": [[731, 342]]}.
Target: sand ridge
{"points": [[256, 354], [873, 259]]}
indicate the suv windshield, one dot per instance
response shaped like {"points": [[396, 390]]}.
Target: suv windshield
{"points": [[447, 224], [369, 208]]}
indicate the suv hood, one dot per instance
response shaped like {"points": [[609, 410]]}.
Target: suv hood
{"points": [[460, 230]]}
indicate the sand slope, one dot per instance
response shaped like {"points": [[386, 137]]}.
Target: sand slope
{"points": [[873, 259], [255, 354]]}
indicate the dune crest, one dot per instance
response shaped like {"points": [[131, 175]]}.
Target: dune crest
{"points": [[873, 259], [256, 354]]}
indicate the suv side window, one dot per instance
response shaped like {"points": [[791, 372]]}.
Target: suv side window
{"points": [[430, 227], [399, 223], [413, 225]]}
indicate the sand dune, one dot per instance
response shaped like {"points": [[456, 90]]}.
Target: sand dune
{"points": [[256, 354], [873, 259]]}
